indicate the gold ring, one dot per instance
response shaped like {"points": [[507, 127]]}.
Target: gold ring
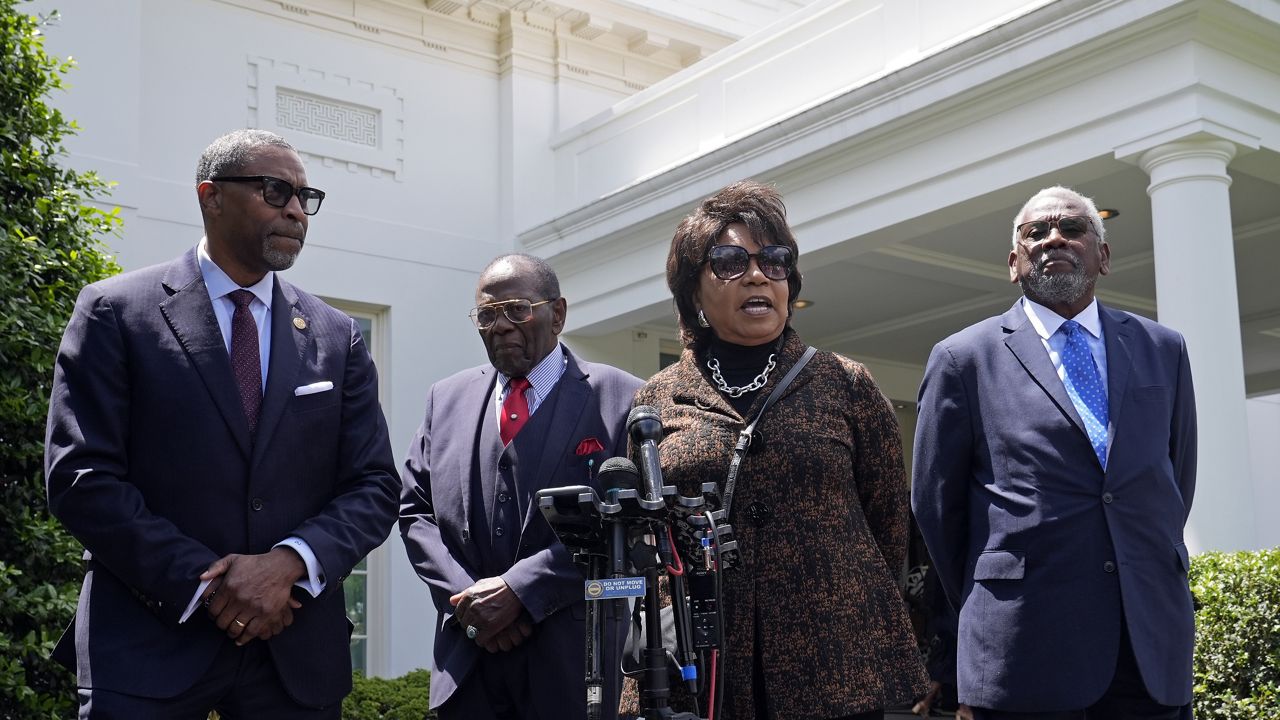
{"points": [[237, 622]]}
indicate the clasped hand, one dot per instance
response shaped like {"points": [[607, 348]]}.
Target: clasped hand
{"points": [[250, 596], [493, 609]]}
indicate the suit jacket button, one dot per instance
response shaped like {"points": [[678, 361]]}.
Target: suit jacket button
{"points": [[499, 531], [757, 441], [256, 504], [503, 497], [1107, 498], [504, 464], [1108, 566]]}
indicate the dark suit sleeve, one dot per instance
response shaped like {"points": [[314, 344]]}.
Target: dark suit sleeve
{"points": [[430, 556], [363, 509], [87, 465], [882, 485], [941, 469], [1182, 445]]}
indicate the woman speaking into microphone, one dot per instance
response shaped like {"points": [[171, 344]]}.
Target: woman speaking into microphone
{"points": [[814, 624]]}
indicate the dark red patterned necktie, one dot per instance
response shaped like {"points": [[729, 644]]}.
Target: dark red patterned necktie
{"points": [[245, 360], [515, 409]]}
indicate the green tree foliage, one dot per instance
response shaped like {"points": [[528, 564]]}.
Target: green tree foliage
{"points": [[49, 249], [1237, 660], [402, 698]]}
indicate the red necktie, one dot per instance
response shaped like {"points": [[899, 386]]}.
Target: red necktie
{"points": [[245, 361], [515, 409]]}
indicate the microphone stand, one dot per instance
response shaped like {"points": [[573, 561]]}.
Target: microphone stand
{"points": [[595, 678]]}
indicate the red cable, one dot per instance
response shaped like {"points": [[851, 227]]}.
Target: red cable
{"points": [[711, 696], [679, 566]]}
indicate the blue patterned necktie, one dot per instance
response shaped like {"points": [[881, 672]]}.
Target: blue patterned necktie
{"points": [[1084, 386]]}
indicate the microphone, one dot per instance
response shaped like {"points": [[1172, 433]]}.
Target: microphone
{"points": [[617, 473], [644, 425]]}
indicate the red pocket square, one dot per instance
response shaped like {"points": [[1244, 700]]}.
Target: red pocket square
{"points": [[588, 446]]}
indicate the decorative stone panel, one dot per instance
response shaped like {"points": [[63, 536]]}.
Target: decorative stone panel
{"points": [[334, 117]]}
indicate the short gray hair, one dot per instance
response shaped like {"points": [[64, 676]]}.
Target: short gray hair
{"points": [[544, 277], [229, 154], [1059, 191]]}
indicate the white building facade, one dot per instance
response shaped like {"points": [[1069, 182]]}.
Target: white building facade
{"points": [[904, 136]]}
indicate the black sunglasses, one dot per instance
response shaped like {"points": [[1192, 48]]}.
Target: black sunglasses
{"points": [[276, 192], [1069, 227], [729, 262]]}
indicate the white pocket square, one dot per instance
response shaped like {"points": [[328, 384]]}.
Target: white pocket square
{"points": [[313, 388]]}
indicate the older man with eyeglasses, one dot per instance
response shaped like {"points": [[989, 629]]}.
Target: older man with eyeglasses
{"points": [[1055, 463], [215, 442], [509, 644]]}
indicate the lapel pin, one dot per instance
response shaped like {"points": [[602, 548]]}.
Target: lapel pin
{"points": [[300, 323]]}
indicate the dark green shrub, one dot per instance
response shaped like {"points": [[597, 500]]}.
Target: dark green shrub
{"points": [[48, 250], [402, 698], [1237, 657]]}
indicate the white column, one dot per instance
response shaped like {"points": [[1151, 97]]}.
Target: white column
{"points": [[1196, 295]]}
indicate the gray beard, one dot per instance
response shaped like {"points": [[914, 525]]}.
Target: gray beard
{"points": [[1060, 288], [277, 259]]}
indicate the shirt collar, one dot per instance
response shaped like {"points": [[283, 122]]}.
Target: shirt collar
{"points": [[220, 284], [1046, 322]]}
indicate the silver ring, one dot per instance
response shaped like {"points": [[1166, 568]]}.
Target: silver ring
{"points": [[237, 622], [472, 632]]}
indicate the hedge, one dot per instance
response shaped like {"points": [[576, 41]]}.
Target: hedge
{"points": [[50, 246], [1237, 655], [402, 698]]}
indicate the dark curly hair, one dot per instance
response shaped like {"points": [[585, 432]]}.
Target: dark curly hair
{"points": [[756, 205]]}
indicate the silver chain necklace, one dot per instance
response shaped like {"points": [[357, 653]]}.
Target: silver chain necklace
{"points": [[714, 365]]}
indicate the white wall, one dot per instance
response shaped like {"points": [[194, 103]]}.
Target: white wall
{"points": [[1264, 459]]}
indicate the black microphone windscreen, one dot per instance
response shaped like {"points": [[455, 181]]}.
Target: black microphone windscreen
{"points": [[618, 472], [644, 423]]}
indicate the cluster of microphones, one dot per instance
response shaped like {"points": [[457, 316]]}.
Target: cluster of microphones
{"points": [[622, 542]]}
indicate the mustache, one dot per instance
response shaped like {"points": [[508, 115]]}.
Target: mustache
{"points": [[1056, 255], [297, 232]]}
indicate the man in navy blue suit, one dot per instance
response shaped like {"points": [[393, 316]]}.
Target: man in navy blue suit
{"points": [[215, 442], [510, 635], [1055, 462]]}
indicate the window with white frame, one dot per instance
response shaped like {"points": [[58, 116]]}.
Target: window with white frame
{"points": [[363, 586]]}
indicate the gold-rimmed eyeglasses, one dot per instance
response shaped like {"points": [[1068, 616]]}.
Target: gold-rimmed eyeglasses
{"points": [[517, 310]]}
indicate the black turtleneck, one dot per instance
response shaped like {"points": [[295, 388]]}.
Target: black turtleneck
{"points": [[739, 365]]}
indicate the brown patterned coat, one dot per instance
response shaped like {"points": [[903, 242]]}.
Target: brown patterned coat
{"points": [[817, 576]]}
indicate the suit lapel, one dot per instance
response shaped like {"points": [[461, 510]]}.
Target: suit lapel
{"points": [[1118, 335], [290, 342], [189, 313], [574, 392], [475, 409], [1025, 343]]}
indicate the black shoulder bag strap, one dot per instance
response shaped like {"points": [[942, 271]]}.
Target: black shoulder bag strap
{"points": [[744, 437]]}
